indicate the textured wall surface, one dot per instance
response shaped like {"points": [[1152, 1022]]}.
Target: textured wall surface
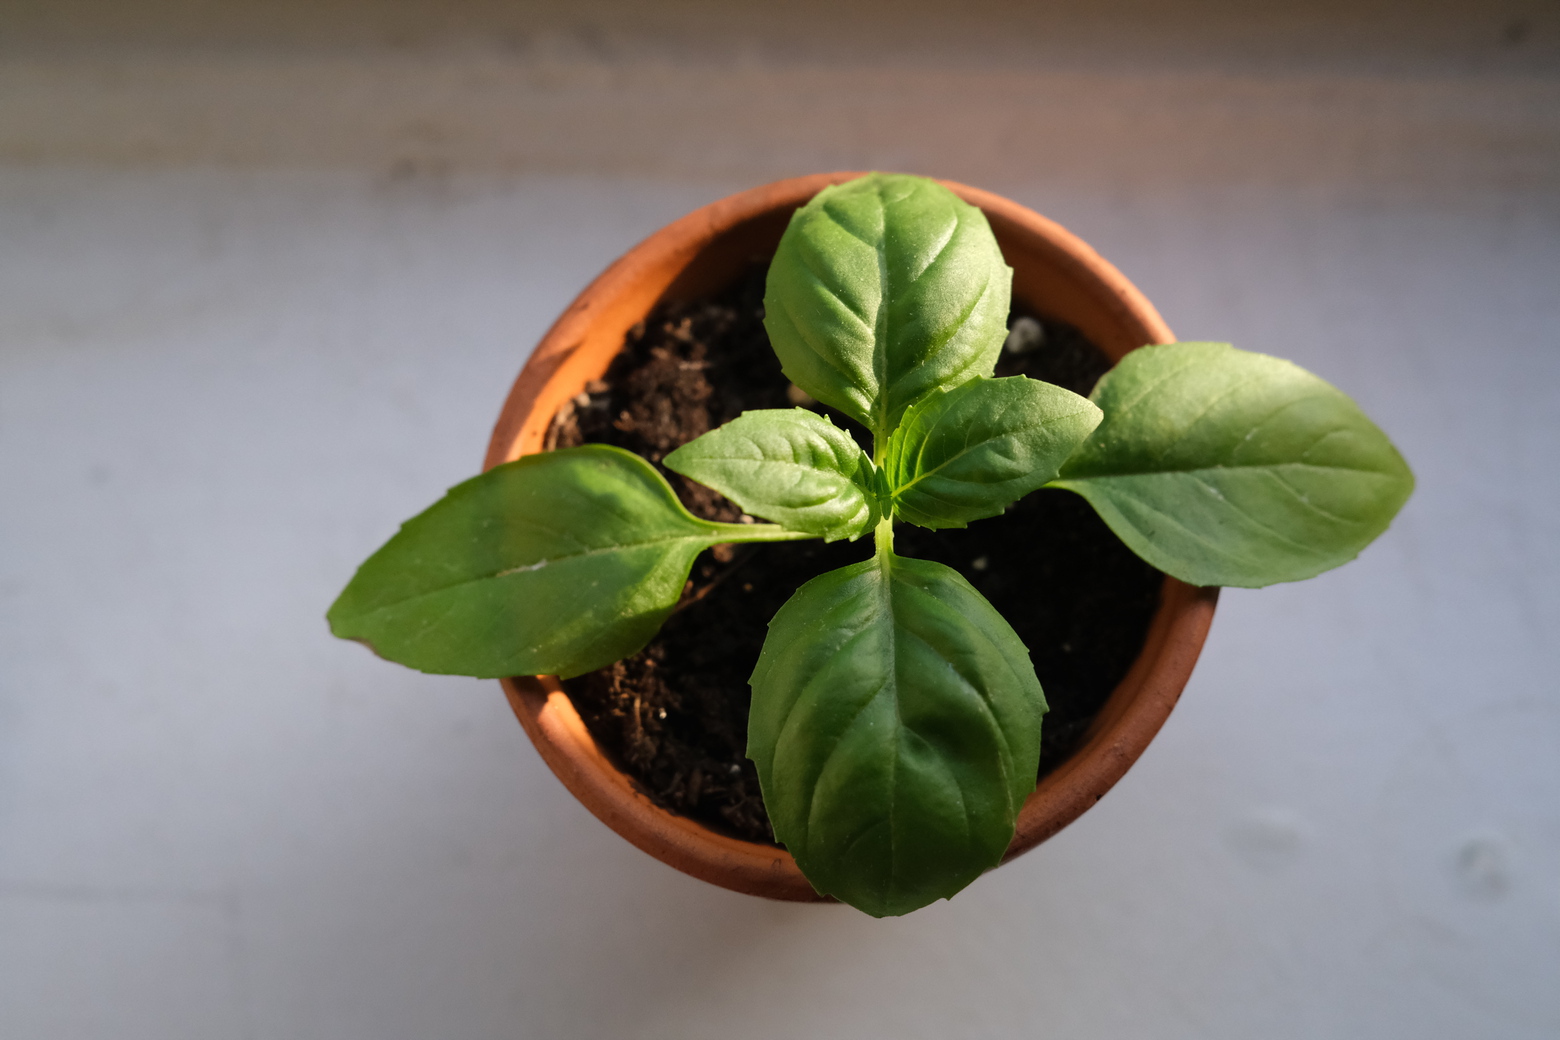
{"points": [[265, 275]]}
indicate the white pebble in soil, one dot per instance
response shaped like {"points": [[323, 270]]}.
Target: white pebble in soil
{"points": [[1026, 336]]}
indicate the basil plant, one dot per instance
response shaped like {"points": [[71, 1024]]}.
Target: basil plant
{"points": [[896, 716]]}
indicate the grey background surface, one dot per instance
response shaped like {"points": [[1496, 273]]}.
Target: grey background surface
{"points": [[266, 272]]}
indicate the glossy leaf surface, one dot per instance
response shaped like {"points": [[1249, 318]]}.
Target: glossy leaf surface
{"points": [[788, 465], [970, 452], [882, 290], [555, 564], [1224, 467], [896, 729]]}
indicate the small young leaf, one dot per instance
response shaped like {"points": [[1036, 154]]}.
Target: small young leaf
{"points": [[970, 452], [555, 564], [896, 729], [882, 290], [1223, 467], [788, 465]]}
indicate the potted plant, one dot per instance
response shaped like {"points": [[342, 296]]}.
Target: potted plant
{"points": [[896, 716]]}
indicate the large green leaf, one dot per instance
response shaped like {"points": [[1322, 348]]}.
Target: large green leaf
{"points": [[970, 452], [788, 465], [1223, 467], [896, 729], [555, 564], [882, 290]]}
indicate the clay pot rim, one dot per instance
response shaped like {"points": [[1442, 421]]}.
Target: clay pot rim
{"points": [[1133, 714]]}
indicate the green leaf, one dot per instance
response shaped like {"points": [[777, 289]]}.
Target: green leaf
{"points": [[555, 564], [882, 290], [896, 729], [1223, 467], [788, 465], [970, 452]]}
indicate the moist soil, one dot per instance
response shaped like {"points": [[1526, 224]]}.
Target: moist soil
{"points": [[675, 714]]}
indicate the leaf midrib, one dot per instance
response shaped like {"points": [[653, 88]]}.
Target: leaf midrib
{"points": [[1215, 547], [886, 604], [967, 449], [704, 540], [807, 468], [1064, 477], [880, 431]]}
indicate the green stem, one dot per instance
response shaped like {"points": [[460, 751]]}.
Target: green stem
{"points": [[883, 536], [756, 533]]}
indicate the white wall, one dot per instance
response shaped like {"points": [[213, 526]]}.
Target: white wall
{"points": [[265, 276]]}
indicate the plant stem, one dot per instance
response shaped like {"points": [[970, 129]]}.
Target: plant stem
{"points": [[883, 536], [755, 533]]}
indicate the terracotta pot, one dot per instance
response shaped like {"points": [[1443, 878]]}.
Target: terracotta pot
{"points": [[1055, 274]]}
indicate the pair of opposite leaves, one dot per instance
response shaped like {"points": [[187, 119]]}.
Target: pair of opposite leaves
{"points": [[896, 716]]}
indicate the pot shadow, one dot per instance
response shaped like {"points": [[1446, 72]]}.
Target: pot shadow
{"points": [[664, 954], [437, 879], [672, 956], [447, 879]]}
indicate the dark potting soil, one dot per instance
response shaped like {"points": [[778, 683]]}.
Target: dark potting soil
{"points": [[675, 714]]}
